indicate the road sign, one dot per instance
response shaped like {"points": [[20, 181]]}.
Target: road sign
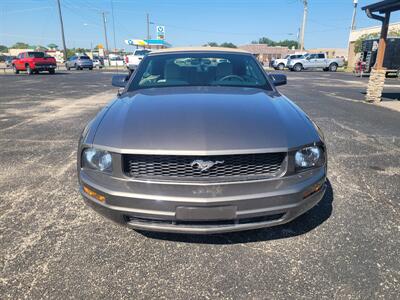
{"points": [[161, 32]]}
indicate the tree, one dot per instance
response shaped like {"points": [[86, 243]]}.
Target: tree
{"points": [[288, 43], [284, 43], [20, 45], [211, 44], [52, 46], [264, 40], [3, 48], [225, 44], [40, 48], [228, 45], [361, 39]]}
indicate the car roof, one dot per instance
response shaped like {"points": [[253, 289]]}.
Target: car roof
{"points": [[198, 49]]}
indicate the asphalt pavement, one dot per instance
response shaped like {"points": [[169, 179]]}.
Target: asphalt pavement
{"points": [[53, 246]]}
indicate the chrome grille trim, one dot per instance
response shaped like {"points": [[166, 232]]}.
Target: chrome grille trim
{"points": [[235, 167]]}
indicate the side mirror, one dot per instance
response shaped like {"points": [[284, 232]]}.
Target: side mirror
{"points": [[119, 80], [278, 79]]}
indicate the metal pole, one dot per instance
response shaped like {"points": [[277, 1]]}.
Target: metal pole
{"points": [[148, 26], [353, 20], [62, 30], [115, 43], [105, 31], [303, 26]]}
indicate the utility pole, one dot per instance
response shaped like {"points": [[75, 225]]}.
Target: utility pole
{"points": [[148, 26], [62, 30], [303, 26], [105, 31], [353, 20]]}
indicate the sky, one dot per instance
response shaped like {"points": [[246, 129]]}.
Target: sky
{"points": [[187, 22]]}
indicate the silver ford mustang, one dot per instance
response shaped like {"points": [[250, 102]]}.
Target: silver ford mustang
{"points": [[200, 141]]}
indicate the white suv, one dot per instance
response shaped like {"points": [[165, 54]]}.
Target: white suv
{"points": [[281, 63]]}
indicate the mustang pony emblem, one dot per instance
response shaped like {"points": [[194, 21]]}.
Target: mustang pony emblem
{"points": [[204, 165]]}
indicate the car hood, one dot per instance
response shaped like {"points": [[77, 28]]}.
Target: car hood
{"points": [[203, 120]]}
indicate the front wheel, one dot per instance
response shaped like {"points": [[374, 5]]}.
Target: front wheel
{"points": [[333, 67], [281, 67], [90, 69], [29, 70], [52, 71], [15, 70], [298, 67]]}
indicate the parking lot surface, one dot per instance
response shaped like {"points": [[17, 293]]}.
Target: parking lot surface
{"points": [[53, 246]]}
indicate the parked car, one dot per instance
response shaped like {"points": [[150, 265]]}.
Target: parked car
{"points": [[313, 61], [8, 61], [132, 61], [98, 62], [281, 63], [79, 62], [34, 62], [115, 61], [193, 145]]}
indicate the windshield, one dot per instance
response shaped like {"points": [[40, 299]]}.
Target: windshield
{"points": [[142, 52], [84, 57], [199, 69], [36, 54]]}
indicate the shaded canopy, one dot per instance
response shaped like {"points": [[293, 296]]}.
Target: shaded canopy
{"points": [[383, 6]]}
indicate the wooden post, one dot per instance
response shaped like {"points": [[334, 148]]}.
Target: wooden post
{"points": [[382, 42]]}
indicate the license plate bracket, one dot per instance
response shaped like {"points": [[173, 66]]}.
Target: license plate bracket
{"points": [[212, 213]]}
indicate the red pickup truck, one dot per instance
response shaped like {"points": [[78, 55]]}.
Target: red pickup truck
{"points": [[34, 62]]}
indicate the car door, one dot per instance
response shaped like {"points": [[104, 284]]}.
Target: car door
{"points": [[320, 61], [310, 61], [20, 61], [72, 62]]}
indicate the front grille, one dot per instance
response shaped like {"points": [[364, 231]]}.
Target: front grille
{"points": [[227, 167]]}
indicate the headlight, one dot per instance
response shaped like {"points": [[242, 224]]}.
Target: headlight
{"points": [[97, 159], [309, 157]]}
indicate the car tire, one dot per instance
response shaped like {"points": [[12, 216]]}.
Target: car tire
{"points": [[52, 72], [29, 70], [297, 67], [333, 67], [281, 67], [90, 69], [68, 68], [15, 69], [325, 69]]}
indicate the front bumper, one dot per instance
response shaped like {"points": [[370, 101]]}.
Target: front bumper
{"points": [[203, 208], [44, 67]]}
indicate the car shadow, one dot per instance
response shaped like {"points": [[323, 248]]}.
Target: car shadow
{"points": [[301, 225], [387, 96], [392, 96]]}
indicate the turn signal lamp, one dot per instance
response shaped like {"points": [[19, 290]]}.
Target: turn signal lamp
{"points": [[93, 194], [315, 188]]}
